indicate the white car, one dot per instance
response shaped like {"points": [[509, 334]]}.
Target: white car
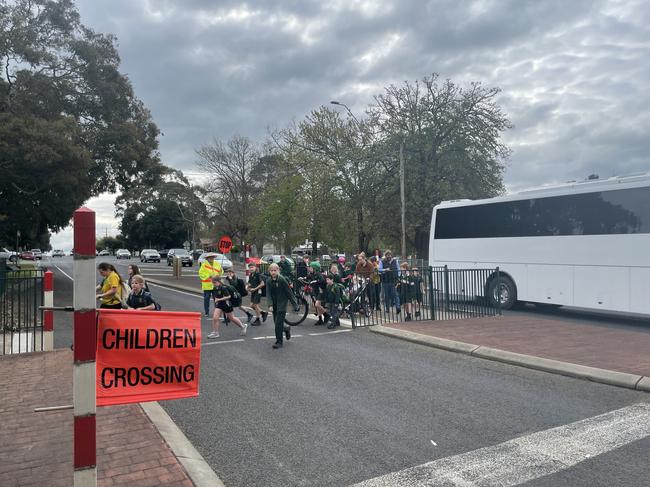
{"points": [[37, 254], [149, 255], [123, 254], [222, 259], [8, 254]]}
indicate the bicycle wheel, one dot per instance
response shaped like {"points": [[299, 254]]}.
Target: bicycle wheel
{"points": [[293, 317]]}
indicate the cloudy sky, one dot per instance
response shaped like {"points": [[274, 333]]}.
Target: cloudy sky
{"points": [[573, 73]]}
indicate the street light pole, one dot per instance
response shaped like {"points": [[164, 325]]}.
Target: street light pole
{"points": [[401, 178]]}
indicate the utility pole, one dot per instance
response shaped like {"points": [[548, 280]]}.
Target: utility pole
{"points": [[402, 198]]}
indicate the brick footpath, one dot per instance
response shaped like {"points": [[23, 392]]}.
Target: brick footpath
{"points": [[36, 448], [608, 348]]}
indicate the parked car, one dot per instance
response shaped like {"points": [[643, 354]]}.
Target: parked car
{"points": [[37, 253], [27, 255], [104, 253], [58, 253], [122, 254], [8, 254], [184, 255], [163, 253], [149, 255]]}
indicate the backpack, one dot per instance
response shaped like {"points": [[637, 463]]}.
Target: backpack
{"points": [[234, 294], [241, 287]]}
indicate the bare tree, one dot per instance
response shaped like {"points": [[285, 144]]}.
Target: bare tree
{"points": [[228, 176]]}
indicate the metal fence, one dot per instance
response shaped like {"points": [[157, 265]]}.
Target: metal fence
{"points": [[21, 320], [425, 293]]}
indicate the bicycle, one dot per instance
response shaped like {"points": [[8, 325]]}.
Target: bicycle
{"points": [[295, 317]]}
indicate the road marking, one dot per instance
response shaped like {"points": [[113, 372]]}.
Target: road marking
{"points": [[328, 332], [63, 272], [219, 343], [176, 290], [528, 457], [264, 338]]}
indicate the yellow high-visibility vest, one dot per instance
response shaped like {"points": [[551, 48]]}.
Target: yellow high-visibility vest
{"points": [[206, 272]]}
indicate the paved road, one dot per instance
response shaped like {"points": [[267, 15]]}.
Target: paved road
{"points": [[334, 409]]}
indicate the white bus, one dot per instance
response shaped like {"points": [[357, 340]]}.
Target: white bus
{"points": [[583, 244]]}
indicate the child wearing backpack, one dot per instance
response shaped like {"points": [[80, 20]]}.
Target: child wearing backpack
{"points": [[238, 288], [224, 296], [139, 298]]}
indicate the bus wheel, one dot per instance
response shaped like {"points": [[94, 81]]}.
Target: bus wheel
{"points": [[507, 292]]}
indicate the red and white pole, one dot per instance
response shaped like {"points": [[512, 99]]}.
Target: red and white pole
{"points": [[48, 314], [84, 396]]}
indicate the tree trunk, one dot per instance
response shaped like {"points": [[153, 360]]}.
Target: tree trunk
{"points": [[421, 241]]}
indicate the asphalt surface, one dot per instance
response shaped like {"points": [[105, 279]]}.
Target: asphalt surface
{"points": [[335, 409]]}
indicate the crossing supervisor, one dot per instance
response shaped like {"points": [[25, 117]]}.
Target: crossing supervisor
{"points": [[147, 356]]}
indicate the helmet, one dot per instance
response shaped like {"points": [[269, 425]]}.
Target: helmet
{"points": [[341, 259], [315, 265]]}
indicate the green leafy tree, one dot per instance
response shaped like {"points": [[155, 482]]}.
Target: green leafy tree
{"points": [[161, 216], [58, 74], [452, 149]]}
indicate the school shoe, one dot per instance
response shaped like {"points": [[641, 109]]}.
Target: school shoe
{"points": [[319, 322], [287, 332], [277, 345], [408, 318], [326, 318], [265, 315], [331, 326], [256, 322], [244, 328], [398, 310], [249, 316], [214, 334]]}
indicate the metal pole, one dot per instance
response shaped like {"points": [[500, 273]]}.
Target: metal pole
{"points": [[402, 197], [85, 342]]}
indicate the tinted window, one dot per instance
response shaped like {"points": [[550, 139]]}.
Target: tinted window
{"points": [[603, 213]]}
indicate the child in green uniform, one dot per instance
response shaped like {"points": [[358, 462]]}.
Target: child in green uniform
{"points": [[406, 288], [333, 300]]}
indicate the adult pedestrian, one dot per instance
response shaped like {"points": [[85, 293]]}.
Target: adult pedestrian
{"points": [[255, 284], [389, 275], [110, 289], [375, 280], [279, 294], [364, 270], [208, 270], [223, 300]]}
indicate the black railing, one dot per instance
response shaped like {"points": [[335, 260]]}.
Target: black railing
{"points": [[418, 294], [21, 320]]}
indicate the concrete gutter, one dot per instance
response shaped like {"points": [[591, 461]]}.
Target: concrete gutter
{"points": [[197, 468], [604, 376]]}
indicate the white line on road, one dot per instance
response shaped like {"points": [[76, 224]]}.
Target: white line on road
{"points": [[528, 457], [176, 290], [328, 332], [63, 272], [219, 343]]}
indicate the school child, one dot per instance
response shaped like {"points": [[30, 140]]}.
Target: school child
{"points": [[139, 298], [239, 286], [333, 300], [417, 279], [223, 297], [279, 295], [255, 284], [334, 271], [317, 282], [406, 290]]}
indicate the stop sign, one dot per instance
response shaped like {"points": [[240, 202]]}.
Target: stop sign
{"points": [[225, 244]]}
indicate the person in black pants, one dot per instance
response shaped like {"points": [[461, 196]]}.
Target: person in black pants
{"points": [[279, 294]]}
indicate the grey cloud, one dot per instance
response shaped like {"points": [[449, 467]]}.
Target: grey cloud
{"points": [[573, 74]]}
